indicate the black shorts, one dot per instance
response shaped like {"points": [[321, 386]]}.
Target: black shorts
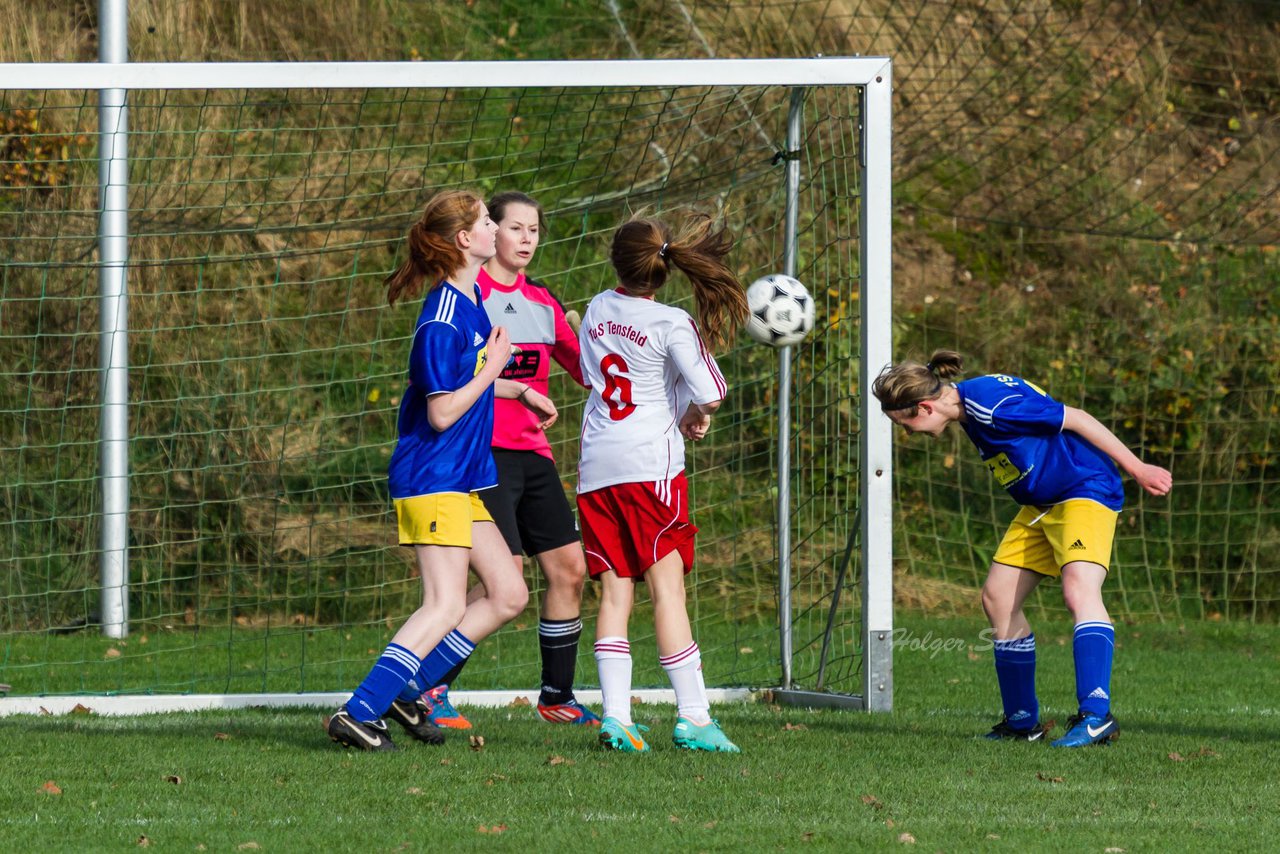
{"points": [[529, 505]]}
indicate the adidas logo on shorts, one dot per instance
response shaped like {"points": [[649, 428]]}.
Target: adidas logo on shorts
{"points": [[1077, 545]]}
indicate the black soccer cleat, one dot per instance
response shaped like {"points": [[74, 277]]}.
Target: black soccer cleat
{"points": [[350, 732], [415, 718], [1003, 731]]}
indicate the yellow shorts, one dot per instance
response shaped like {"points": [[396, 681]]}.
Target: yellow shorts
{"points": [[1044, 541], [441, 519]]}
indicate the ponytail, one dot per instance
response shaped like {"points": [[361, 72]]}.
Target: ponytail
{"points": [[901, 387], [432, 242], [644, 251]]}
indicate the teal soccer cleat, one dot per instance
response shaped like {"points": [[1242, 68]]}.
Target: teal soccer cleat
{"points": [[690, 736], [1085, 729], [615, 735]]}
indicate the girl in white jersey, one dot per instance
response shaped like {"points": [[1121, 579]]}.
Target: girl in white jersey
{"points": [[653, 383]]}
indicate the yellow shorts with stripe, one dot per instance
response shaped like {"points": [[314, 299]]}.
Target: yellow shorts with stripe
{"points": [[1044, 540], [440, 519]]}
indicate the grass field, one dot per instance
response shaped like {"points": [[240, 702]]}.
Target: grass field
{"points": [[1198, 705]]}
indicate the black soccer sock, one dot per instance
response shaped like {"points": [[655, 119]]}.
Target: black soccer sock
{"points": [[448, 678], [558, 640]]}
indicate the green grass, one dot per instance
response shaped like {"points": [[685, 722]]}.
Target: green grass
{"points": [[1198, 706]]}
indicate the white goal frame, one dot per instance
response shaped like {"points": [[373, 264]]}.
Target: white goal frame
{"points": [[113, 77]]}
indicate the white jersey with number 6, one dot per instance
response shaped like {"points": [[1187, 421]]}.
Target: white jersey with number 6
{"points": [[645, 362]]}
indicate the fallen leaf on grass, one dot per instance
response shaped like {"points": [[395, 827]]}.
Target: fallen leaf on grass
{"points": [[906, 839], [413, 790], [807, 836], [674, 819], [518, 702], [220, 736], [112, 652], [1176, 757], [497, 828], [872, 801], [446, 761], [143, 841], [1113, 850], [792, 727], [477, 742], [1047, 779], [248, 846], [559, 760], [51, 788], [711, 825], [81, 709], [174, 779]]}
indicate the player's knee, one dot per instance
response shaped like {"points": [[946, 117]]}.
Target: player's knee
{"points": [[995, 602], [569, 575], [1081, 598], [511, 598]]}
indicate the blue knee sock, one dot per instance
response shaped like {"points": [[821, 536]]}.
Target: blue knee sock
{"points": [[1094, 645], [389, 674], [449, 653], [1016, 673]]}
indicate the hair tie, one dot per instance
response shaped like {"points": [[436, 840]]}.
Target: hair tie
{"points": [[662, 253], [929, 367]]}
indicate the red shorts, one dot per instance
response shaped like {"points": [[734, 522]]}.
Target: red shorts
{"points": [[628, 527]]}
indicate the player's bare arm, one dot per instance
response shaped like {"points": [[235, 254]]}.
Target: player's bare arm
{"points": [[443, 410], [697, 420], [533, 400], [1154, 479]]}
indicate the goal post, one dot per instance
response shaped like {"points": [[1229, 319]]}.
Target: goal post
{"points": [[244, 193]]}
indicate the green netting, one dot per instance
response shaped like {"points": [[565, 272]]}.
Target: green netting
{"points": [[266, 367]]}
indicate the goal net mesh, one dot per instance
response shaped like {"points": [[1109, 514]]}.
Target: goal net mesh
{"points": [[266, 369]]}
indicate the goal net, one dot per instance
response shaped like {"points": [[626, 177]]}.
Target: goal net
{"points": [[265, 205]]}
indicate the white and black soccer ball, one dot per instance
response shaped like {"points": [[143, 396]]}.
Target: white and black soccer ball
{"points": [[781, 310]]}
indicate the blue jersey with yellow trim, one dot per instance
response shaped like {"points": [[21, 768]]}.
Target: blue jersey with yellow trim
{"points": [[1018, 431], [449, 348]]}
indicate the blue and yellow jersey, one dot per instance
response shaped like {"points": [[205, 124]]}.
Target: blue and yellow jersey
{"points": [[449, 348], [1018, 430]]}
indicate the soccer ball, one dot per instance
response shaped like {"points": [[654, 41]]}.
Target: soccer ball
{"points": [[781, 310]]}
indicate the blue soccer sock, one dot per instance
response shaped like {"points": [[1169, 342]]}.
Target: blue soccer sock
{"points": [[451, 652], [1016, 673], [1094, 646], [389, 674]]}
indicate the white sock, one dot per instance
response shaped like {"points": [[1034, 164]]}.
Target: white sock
{"points": [[613, 660], [684, 669]]}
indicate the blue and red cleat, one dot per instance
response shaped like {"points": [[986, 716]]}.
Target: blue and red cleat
{"points": [[441, 712], [571, 712]]}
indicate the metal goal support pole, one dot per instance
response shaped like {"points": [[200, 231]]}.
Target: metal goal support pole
{"points": [[791, 221], [113, 347]]}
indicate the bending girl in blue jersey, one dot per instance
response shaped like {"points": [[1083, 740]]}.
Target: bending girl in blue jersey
{"points": [[441, 462], [1059, 463]]}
